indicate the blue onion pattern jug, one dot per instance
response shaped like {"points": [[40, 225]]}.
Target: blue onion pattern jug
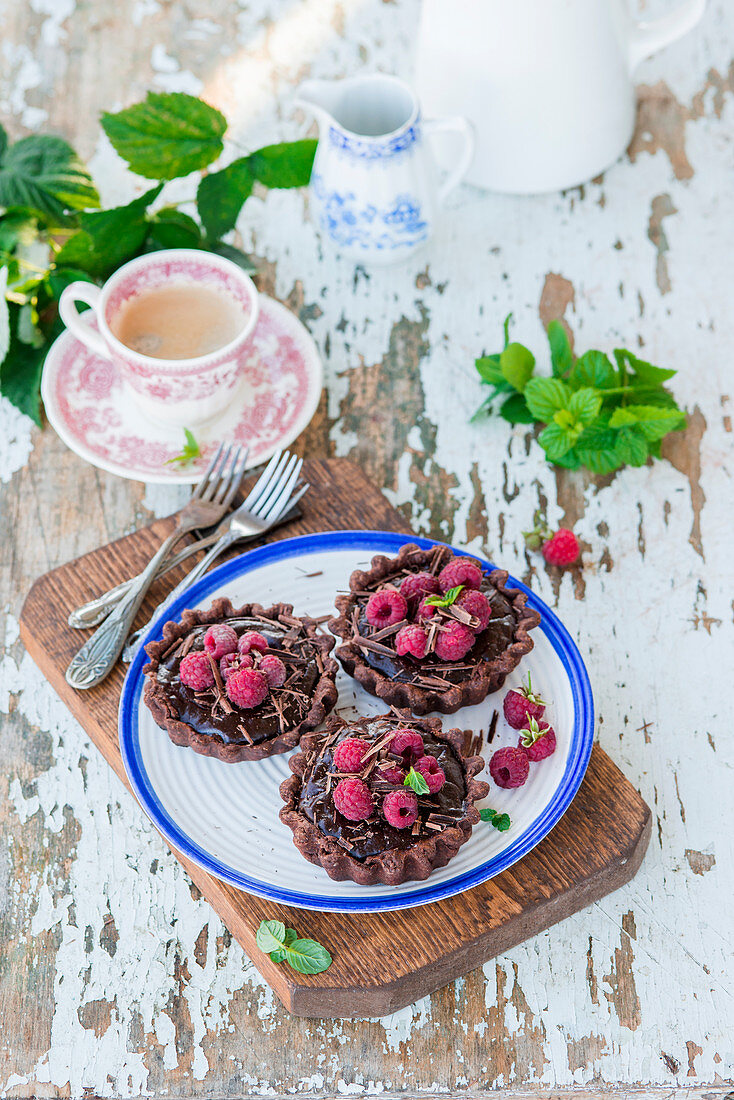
{"points": [[374, 188]]}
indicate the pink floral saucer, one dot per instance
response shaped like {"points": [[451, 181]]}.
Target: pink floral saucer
{"points": [[93, 412]]}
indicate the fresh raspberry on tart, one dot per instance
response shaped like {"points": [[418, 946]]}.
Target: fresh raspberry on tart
{"points": [[383, 823], [431, 631], [240, 683]]}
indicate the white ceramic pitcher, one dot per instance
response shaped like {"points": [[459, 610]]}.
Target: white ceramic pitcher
{"points": [[547, 84], [374, 186]]}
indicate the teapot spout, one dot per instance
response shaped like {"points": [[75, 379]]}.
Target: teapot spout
{"points": [[320, 97]]}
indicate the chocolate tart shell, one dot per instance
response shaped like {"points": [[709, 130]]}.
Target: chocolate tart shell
{"points": [[323, 697], [486, 677], [394, 865]]}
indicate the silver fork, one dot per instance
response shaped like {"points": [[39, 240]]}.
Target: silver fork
{"points": [[209, 502], [271, 497]]}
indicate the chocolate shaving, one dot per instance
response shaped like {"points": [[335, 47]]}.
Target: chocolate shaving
{"points": [[492, 727], [416, 827], [221, 698], [345, 843], [290, 620], [174, 648], [376, 647], [188, 642], [388, 630], [433, 825], [244, 733]]}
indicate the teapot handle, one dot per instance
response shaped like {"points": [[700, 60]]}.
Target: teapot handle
{"points": [[461, 126], [647, 38]]}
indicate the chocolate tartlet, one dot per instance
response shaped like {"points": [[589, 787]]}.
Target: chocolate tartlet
{"points": [[205, 717], [433, 681], [370, 849]]}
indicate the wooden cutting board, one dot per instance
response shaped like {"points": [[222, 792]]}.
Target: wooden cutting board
{"points": [[595, 848]]}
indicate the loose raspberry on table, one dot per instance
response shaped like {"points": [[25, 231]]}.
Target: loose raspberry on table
{"points": [[509, 767], [400, 808], [408, 744], [464, 571], [247, 687], [538, 741], [350, 753], [417, 585], [386, 608], [274, 669], [432, 772], [454, 642], [252, 639], [353, 799], [413, 640], [196, 671], [220, 639], [522, 704], [477, 604], [426, 610], [562, 549], [392, 774]]}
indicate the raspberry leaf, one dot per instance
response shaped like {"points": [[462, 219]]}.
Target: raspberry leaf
{"points": [[416, 782], [108, 238], [43, 173], [447, 599], [166, 136], [307, 956], [270, 936], [516, 363], [221, 195], [560, 349], [286, 165]]}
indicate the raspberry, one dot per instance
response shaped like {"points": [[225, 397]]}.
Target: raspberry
{"points": [[349, 754], [252, 640], [412, 639], [353, 799], [247, 687], [417, 585], [196, 672], [426, 610], [386, 608], [230, 662], [478, 607], [220, 639], [522, 704], [454, 642], [408, 744], [392, 774], [509, 767], [434, 775], [400, 808], [536, 742], [562, 549], [274, 669], [464, 571]]}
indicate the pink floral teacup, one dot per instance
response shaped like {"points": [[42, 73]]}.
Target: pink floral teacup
{"points": [[179, 392]]}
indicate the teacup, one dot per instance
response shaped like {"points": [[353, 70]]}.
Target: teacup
{"points": [[179, 392]]}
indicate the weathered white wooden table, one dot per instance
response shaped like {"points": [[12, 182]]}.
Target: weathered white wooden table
{"points": [[115, 979]]}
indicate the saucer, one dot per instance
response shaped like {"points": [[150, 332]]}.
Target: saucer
{"points": [[94, 413]]}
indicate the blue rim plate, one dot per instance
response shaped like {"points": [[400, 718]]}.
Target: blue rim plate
{"points": [[376, 898]]}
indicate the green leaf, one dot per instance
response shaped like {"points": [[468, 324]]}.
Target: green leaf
{"points": [[560, 349], [502, 822], [517, 363], [569, 461], [490, 370], [3, 141], [447, 598], [20, 372], [108, 238], [168, 135], [596, 449], [632, 446], [279, 956], [44, 173], [220, 196], [654, 421], [60, 277], [515, 410], [416, 782], [646, 372], [270, 936], [171, 228], [4, 315], [236, 255], [190, 451], [545, 396], [308, 957], [506, 329], [288, 164], [595, 369], [17, 228], [556, 441], [487, 815], [585, 405]]}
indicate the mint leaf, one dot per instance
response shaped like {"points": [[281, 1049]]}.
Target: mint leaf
{"points": [[288, 164], [556, 441], [585, 405], [516, 363], [490, 370], [44, 173], [545, 396], [171, 228], [108, 238], [416, 782], [168, 135], [560, 349], [597, 449], [500, 821], [190, 451], [515, 410], [646, 372], [487, 815], [654, 421], [594, 369], [308, 957], [220, 196], [448, 597], [270, 936], [279, 956], [632, 446]]}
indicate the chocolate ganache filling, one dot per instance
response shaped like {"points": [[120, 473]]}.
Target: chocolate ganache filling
{"points": [[211, 713], [368, 838]]}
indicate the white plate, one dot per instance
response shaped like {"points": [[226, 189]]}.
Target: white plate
{"points": [[225, 816]]}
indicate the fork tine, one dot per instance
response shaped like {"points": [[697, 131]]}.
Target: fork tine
{"points": [[236, 478], [210, 489], [294, 500], [262, 480], [274, 480], [276, 506], [273, 490], [196, 495], [226, 476]]}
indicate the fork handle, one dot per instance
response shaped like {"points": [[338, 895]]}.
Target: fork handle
{"points": [[222, 544], [99, 653]]}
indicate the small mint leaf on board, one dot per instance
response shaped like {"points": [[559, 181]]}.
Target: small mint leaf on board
{"points": [[545, 396], [560, 349], [287, 164], [515, 410], [517, 363], [279, 956], [44, 173], [416, 782], [168, 135], [594, 369], [189, 452], [270, 936], [220, 197], [307, 956], [106, 239]]}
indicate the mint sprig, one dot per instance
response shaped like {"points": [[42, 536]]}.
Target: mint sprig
{"points": [[284, 945], [494, 817], [447, 599], [595, 413], [191, 450], [416, 782]]}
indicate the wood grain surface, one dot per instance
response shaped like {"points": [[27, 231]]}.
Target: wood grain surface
{"points": [[115, 977]]}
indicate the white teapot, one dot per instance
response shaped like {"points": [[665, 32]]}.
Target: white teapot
{"points": [[547, 84]]}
